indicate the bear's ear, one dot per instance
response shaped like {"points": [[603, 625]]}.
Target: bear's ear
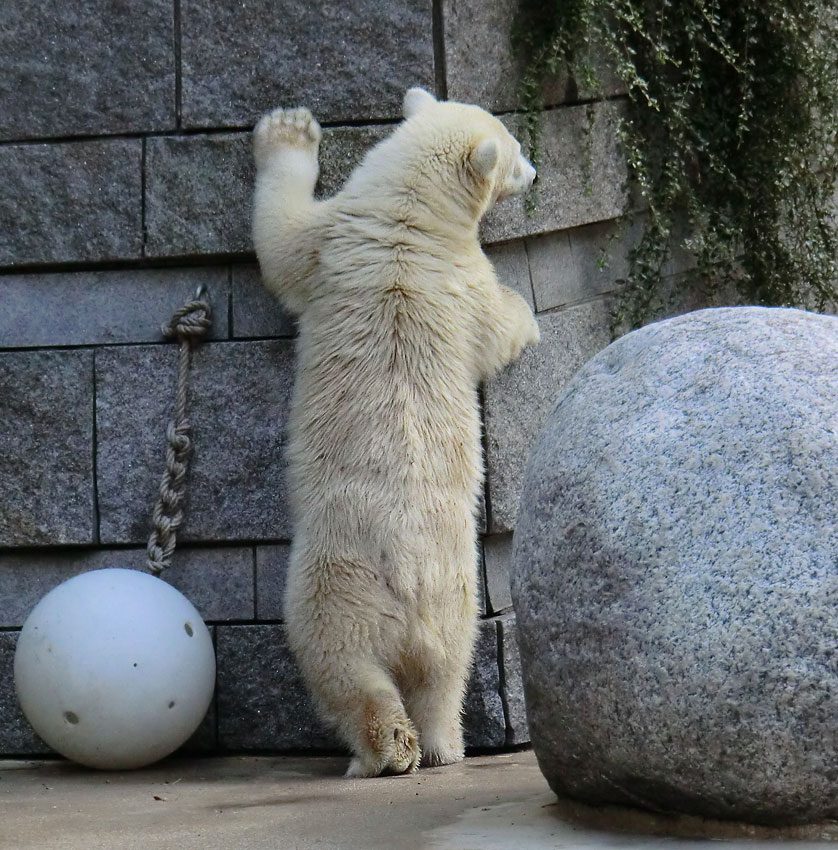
{"points": [[415, 100], [484, 156]]}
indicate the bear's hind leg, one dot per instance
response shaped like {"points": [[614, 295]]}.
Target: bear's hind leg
{"points": [[384, 740], [436, 707], [354, 691]]}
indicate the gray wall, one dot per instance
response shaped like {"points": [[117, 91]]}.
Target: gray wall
{"points": [[126, 177]]}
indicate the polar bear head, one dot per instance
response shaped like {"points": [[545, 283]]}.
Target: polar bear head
{"points": [[465, 142]]}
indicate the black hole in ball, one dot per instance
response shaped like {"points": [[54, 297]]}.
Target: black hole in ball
{"points": [[172, 704], [71, 717], [187, 627]]}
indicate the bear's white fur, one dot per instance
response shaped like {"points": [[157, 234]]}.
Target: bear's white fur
{"points": [[400, 318]]}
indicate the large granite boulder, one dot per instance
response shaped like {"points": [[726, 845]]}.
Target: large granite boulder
{"points": [[675, 571]]}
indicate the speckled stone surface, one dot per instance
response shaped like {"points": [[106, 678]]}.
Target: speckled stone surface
{"points": [[46, 458], [582, 175], [94, 307], [675, 574], [16, 735], [484, 725], [85, 67], [217, 581], [71, 202], [199, 188], [517, 401], [238, 404], [346, 61]]}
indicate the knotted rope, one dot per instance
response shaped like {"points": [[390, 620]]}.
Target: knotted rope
{"points": [[188, 325]]}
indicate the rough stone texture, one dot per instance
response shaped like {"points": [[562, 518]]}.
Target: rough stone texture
{"points": [[218, 582], [674, 574], [579, 264], [78, 201], [199, 189], [341, 150], [512, 685], [582, 263], [256, 313], [197, 194], [239, 395], [46, 439], [497, 551], [480, 64], [346, 61], [271, 570], [512, 268], [90, 308], [85, 67], [483, 722], [582, 174], [16, 735], [518, 400], [262, 701]]}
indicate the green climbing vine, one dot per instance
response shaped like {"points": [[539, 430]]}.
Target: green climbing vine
{"points": [[729, 132]]}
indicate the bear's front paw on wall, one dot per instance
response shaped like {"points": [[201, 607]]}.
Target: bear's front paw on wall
{"points": [[286, 130]]}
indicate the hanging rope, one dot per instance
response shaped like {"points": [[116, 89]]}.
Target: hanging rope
{"points": [[188, 325]]}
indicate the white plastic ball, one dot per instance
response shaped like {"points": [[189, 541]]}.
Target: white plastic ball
{"points": [[114, 669]]}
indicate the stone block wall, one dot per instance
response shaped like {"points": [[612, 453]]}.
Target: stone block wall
{"points": [[126, 173]]}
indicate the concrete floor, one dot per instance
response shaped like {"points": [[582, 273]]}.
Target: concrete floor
{"points": [[498, 802]]}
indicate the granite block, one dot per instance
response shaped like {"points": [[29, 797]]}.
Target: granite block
{"points": [[512, 685], [585, 262], [70, 202], [217, 581], [349, 61], [197, 194], [497, 554], [480, 65], [517, 401], [512, 268], [271, 570], [582, 176], [262, 701], [239, 396], [482, 68], [199, 188], [17, 737], [94, 308], [674, 571], [484, 725], [85, 67], [46, 443], [579, 264], [256, 313], [341, 151]]}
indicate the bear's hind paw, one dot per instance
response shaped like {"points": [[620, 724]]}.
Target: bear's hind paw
{"points": [[403, 755]]}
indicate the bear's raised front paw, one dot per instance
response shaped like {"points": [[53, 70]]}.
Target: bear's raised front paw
{"points": [[285, 129]]}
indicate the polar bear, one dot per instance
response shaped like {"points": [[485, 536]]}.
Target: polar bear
{"points": [[400, 318]]}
